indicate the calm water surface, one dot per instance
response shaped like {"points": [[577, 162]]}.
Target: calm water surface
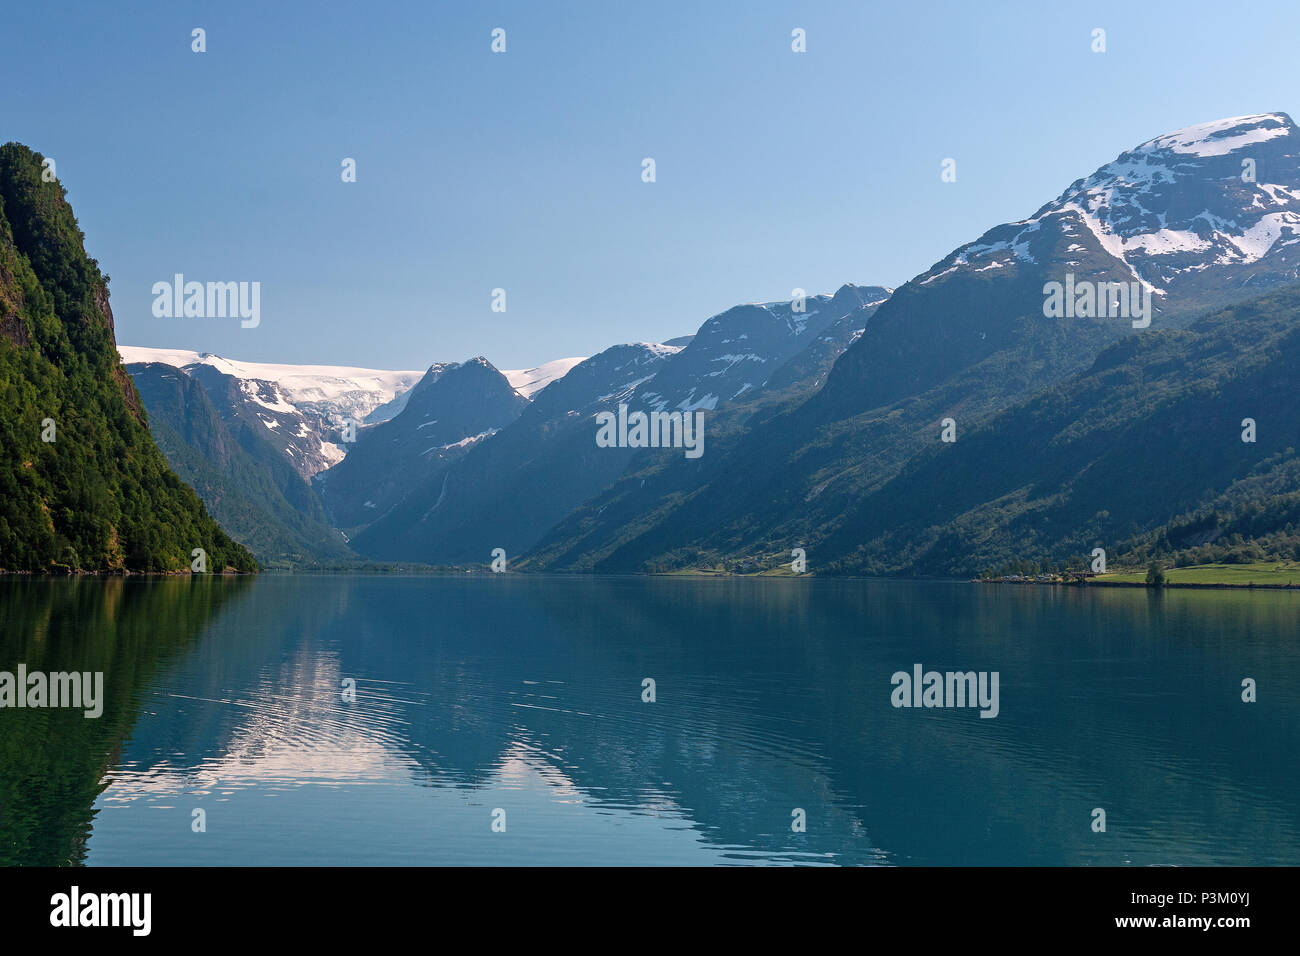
{"points": [[524, 694]]}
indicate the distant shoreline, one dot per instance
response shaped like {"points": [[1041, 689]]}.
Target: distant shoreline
{"points": [[1176, 585], [82, 573], [429, 571]]}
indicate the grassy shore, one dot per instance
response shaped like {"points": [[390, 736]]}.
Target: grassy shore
{"points": [[1262, 574]]}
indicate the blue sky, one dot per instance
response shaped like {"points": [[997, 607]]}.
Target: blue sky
{"points": [[522, 170]]}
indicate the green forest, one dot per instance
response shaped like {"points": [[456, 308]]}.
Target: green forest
{"points": [[82, 484]]}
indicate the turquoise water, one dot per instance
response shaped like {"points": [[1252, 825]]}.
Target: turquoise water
{"points": [[523, 694]]}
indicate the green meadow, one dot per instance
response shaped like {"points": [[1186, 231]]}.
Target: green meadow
{"points": [[1275, 573]]}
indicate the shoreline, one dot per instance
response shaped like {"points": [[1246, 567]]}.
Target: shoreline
{"points": [[476, 572], [1177, 585]]}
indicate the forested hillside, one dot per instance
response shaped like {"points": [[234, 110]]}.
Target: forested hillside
{"points": [[82, 484]]}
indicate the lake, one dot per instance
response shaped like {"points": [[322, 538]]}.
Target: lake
{"points": [[505, 719]]}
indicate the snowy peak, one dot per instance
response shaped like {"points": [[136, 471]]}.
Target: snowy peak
{"points": [[736, 352], [332, 392], [1221, 193], [305, 408], [1222, 136], [608, 376], [1193, 212]]}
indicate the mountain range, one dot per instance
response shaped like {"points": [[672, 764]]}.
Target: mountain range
{"points": [[968, 340], [826, 416]]}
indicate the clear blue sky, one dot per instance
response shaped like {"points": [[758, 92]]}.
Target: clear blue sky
{"points": [[522, 170]]}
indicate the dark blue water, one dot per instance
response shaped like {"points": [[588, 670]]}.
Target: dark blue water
{"points": [[524, 694]]}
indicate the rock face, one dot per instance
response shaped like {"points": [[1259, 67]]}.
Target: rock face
{"points": [[82, 483]]}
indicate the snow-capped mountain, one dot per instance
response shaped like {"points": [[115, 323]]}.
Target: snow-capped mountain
{"points": [[303, 408], [737, 352], [812, 410], [1190, 212], [549, 457], [1173, 215], [1221, 194], [243, 477], [1198, 218], [333, 392], [651, 483]]}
